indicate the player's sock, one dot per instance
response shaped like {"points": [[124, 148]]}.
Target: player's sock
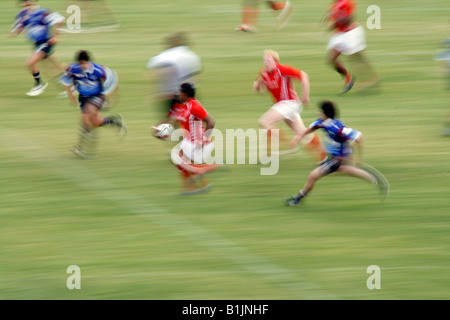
{"points": [[348, 78], [107, 120], [37, 77], [301, 194]]}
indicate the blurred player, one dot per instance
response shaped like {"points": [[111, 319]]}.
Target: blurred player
{"points": [[445, 56], [94, 83], [172, 67], [277, 78], [348, 39], [283, 11], [340, 148], [41, 27], [189, 157]]}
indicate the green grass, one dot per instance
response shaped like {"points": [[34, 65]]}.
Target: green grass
{"points": [[118, 219]]}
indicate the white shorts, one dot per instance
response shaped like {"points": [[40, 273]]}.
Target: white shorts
{"points": [[196, 153], [290, 109], [349, 42]]}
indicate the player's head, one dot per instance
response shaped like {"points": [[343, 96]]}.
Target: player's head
{"points": [[27, 3], [177, 39], [187, 91], [328, 109], [271, 58], [83, 57], [273, 54]]}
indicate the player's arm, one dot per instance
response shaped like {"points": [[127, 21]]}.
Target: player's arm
{"points": [[300, 75], [210, 123], [259, 85], [298, 137], [17, 26], [54, 21], [358, 142], [304, 80], [67, 81]]}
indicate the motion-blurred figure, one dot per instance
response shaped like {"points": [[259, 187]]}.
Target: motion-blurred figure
{"points": [[282, 10], [348, 39], [41, 27], [94, 83], [189, 155], [277, 78], [445, 56], [340, 149], [172, 67]]}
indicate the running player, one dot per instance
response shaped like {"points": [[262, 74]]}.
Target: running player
{"points": [[282, 10], [41, 27], [190, 155], [277, 78], [172, 67], [94, 83], [348, 39], [340, 149]]}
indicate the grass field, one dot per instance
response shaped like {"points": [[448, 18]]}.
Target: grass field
{"points": [[119, 218]]}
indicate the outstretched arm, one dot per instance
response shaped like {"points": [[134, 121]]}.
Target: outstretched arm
{"points": [[298, 137], [359, 143], [305, 88]]}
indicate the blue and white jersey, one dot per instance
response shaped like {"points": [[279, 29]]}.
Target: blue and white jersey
{"points": [[37, 22], [87, 82], [339, 136]]}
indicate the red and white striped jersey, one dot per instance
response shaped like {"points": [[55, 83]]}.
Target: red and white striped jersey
{"points": [[190, 116], [279, 83]]}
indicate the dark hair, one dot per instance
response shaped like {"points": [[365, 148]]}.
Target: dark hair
{"points": [[188, 89], [83, 56], [329, 109], [177, 39]]}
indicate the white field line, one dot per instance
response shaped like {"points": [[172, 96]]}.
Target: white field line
{"points": [[74, 171]]}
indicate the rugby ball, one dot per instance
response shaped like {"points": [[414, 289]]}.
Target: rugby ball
{"points": [[164, 131]]}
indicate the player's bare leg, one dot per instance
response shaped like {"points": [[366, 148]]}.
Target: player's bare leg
{"points": [[367, 77], [267, 121], [349, 80], [32, 65], [249, 16]]}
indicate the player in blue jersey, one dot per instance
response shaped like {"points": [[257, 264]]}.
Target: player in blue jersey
{"points": [[41, 28], [340, 147], [94, 83]]}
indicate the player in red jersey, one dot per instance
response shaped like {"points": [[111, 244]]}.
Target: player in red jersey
{"points": [[189, 156], [283, 11], [348, 39], [277, 78]]}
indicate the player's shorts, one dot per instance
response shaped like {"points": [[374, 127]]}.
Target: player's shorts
{"points": [[290, 109], [349, 42], [43, 46], [196, 153], [331, 165], [95, 100], [111, 81]]}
